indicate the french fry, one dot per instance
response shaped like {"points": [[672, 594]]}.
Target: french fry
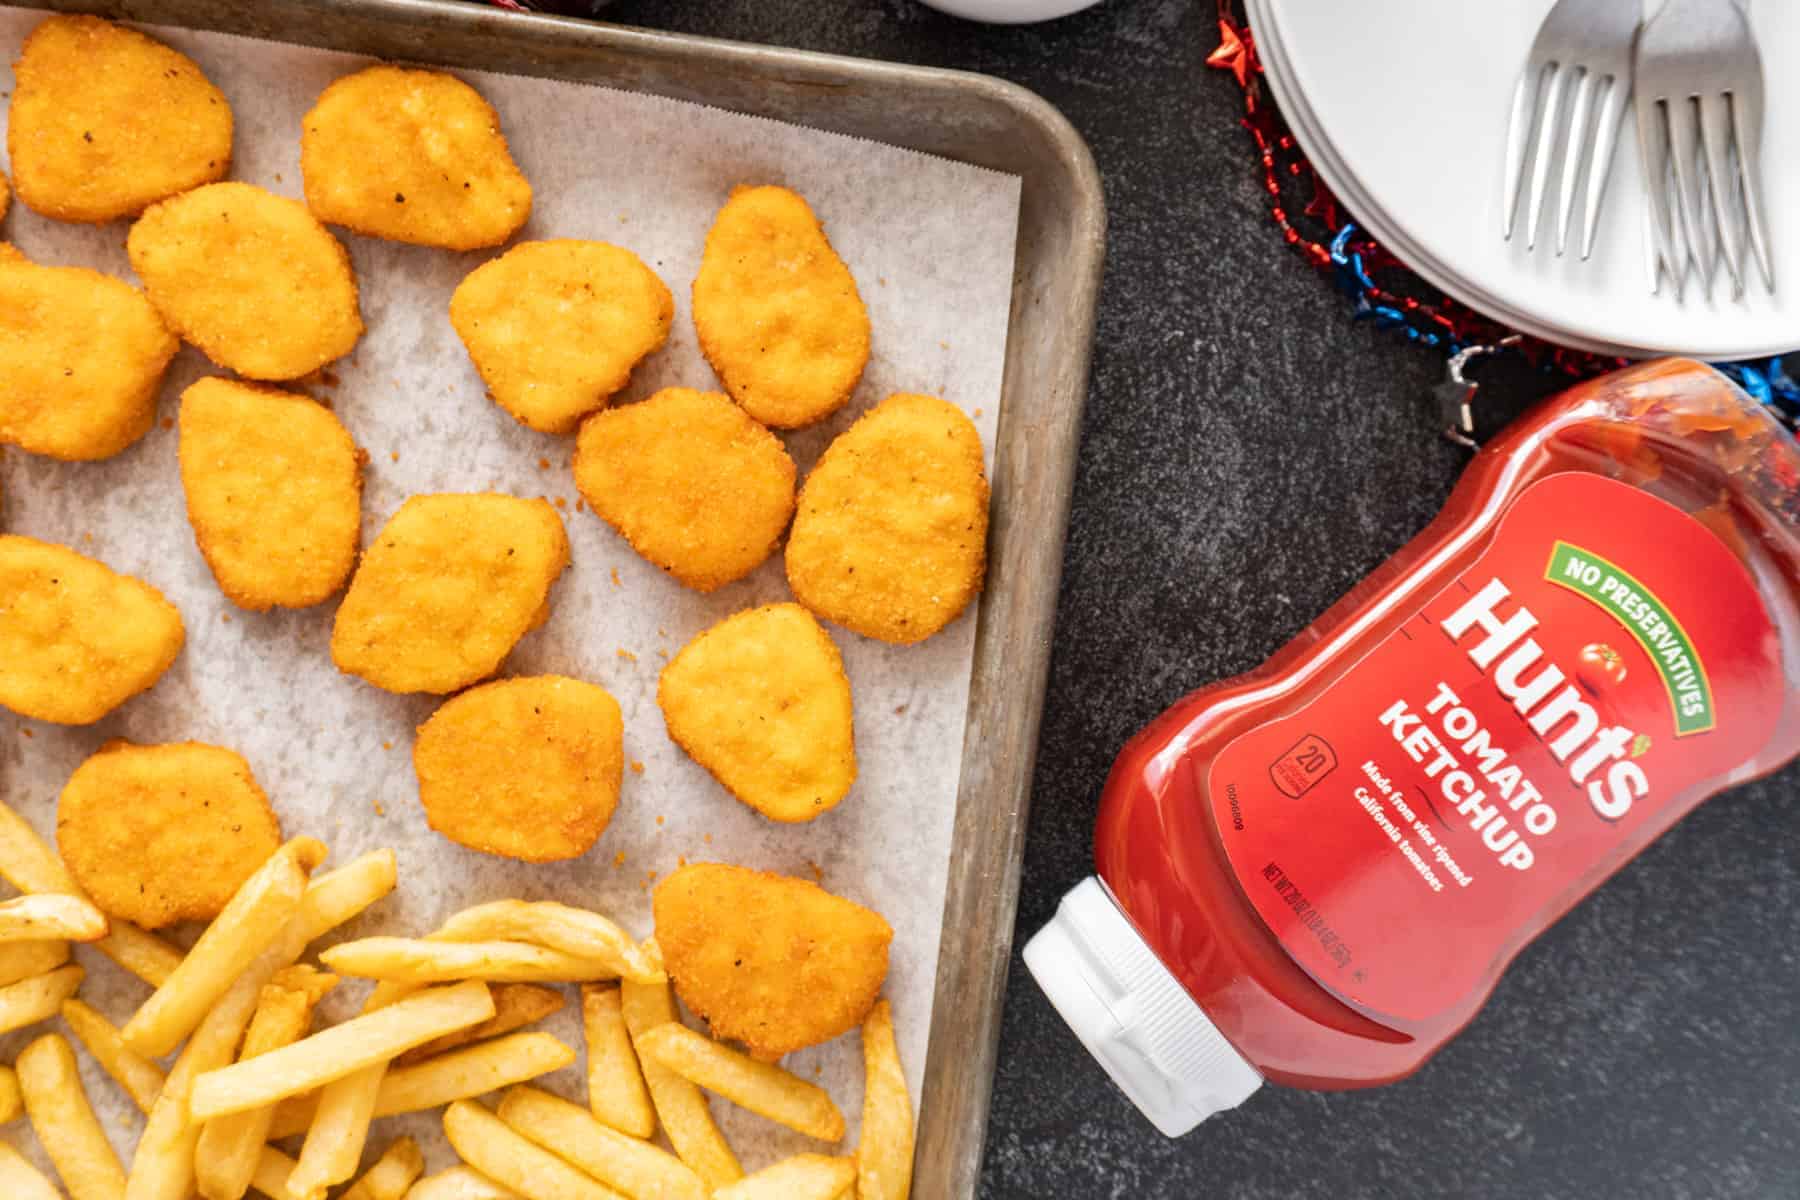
{"points": [[272, 1171], [141, 1078], [634, 1167], [516, 1005], [251, 921], [421, 960], [12, 1103], [574, 931], [680, 1106], [491, 1147], [65, 1123], [336, 1052], [36, 999], [163, 1168], [340, 1129], [391, 1176], [459, 1075], [884, 1160], [763, 1088], [226, 1156], [19, 1180], [460, 1183], [616, 1091], [50, 917], [22, 960], [802, 1177], [29, 864]]}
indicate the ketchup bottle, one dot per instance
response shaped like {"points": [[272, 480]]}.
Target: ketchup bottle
{"points": [[1315, 873]]}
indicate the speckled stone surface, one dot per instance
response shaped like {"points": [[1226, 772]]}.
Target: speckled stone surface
{"points": [[1248, 454]]}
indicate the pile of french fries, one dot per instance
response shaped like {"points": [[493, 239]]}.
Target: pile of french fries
{"points": [[443, 1026]]}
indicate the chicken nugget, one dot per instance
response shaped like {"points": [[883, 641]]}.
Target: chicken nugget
{"points": [[412, 156], [77, 639], [693, 483], [774, 962], [159, 834], [5, 196], [249, 277], [777, 311], [556, 327], [446, 589], [105, 122], [10, 255], [274, 492], [890, 537], [81, 357], [526, 768], [761, 701]]}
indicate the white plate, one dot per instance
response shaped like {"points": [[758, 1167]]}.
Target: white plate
{"points": [[1401, 106]]}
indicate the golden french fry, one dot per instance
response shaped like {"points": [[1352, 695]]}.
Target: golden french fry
{"points": [[50, 917], [141, 1078], [634, 1167], [22, 960], [460, 1183], [391, 1176], [763, 1088], [516, 1005], [36, 999], [65, 1123], [29, 864], [229, 1149], [574, 931], [340, 1129], [11, 1102], [802, 1177], [19, 1180], [486, 1143], [272, 1171], [459, 1075], [421, 960], [163, 1168], [336, 1052], [616, 1091], [884, 1160], [252, 920], [680, 1106]]}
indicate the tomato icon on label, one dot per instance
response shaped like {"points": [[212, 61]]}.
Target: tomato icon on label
{"points": [[1600, 667]]}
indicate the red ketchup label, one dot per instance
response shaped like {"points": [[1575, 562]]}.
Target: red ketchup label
{"points": [[1604, 655]]}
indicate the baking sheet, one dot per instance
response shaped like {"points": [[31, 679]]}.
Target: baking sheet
{"points": [[931, 243]]}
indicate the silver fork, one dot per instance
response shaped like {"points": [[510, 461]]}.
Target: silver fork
{"points": [[1699, 114], [1589, 42]]}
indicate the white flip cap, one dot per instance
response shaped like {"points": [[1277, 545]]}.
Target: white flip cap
{"points": [[1160, 1047]]}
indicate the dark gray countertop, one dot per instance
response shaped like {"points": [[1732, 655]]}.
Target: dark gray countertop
{"points": [[1248, 454]]}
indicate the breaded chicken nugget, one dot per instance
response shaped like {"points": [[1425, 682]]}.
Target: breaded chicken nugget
{"points": [[249, 277], [5, 196], [446, 589], [10, 254], [413, 156], [76, 639], [762, 702], [777, 311], [556, 327], [693, 483], [526, 768], [274, 492], [81, 357], [890, 539], [159, 834], [105, 122], [770, 961]]}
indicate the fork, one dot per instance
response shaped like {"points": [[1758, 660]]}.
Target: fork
{"points": [[1588, 41], [1700, 95]]}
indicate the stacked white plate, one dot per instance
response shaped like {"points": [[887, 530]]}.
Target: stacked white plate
{"points": [[1401, 105]]}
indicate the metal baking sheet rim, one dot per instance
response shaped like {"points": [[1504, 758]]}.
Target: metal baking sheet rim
{"points": [[973, 118]]}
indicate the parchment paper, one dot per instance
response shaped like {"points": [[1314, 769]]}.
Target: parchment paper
{"points": [[931, 245]]}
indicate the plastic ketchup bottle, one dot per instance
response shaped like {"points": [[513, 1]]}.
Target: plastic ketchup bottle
{"points": [[1315, 873]]}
